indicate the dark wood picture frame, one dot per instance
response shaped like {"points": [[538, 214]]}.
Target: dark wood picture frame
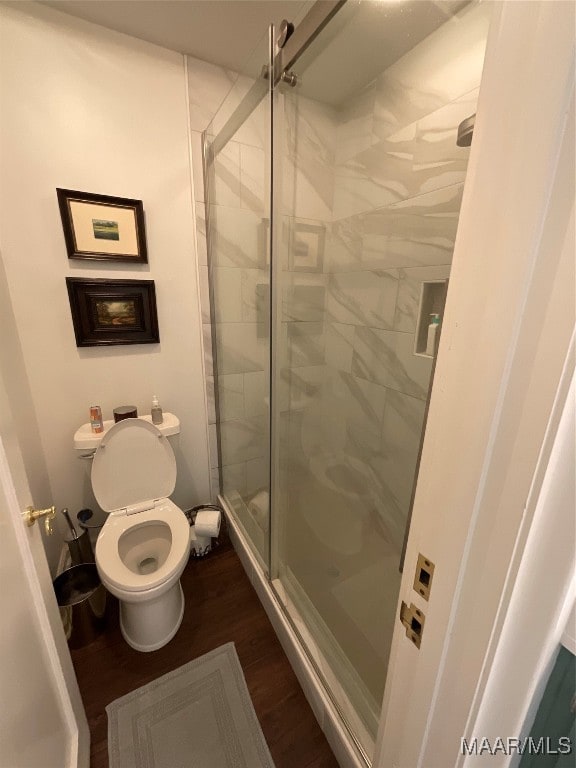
{"points": [[102, 227], [106, 312]]}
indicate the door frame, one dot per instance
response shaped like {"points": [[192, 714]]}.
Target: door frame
{"points": [[505, 340]]}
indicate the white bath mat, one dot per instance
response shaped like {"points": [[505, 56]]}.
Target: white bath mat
{"points": [[197, 716]]}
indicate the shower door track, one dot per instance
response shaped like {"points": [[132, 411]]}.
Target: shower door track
{"points": [[305, 33]]}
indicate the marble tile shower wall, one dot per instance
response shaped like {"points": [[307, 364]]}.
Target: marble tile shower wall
{"points": [[398, 185], [380, 183], [236, 214], [308, 157], [238, 231]]}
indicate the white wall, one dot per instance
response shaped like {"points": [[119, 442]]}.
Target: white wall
{"points": [[86, 108]]}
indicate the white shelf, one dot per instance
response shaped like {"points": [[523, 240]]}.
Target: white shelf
{"points": [[85, 439]]}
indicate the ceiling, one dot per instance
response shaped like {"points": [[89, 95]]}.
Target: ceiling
{"points": [[364, 38], [224, 32]]}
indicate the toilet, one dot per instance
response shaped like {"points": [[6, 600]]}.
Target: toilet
{"points": [[144, 545]]}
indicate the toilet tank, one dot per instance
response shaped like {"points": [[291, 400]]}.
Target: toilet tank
{"points": [[86, 441]]}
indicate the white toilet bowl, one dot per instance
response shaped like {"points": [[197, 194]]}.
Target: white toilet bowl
{"points": [[144, 544]]}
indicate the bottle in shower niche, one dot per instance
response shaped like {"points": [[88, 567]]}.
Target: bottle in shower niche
{"points": [[156, 411], [432, 333], [96, 423]]}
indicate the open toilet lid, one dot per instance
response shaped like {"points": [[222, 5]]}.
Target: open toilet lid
{"points": [[133, 464]]}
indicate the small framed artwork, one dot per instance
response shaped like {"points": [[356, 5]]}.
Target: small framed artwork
{"points": [[108, 312], [102, 227], [307, 247]]}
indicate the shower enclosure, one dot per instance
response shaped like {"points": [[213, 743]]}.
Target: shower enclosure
{"points": [[333, 187]]}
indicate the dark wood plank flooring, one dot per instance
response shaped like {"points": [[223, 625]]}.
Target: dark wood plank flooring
{"points": [[221, 606]]}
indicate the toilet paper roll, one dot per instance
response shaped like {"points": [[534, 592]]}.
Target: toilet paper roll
{"points": [[259, 507], [207, 523]]}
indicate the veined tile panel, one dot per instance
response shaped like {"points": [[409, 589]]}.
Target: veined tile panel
{"points": [[243, 439], [355, 121], [308, 154], [304, 298], [255, 290], [363, 298], [213, 445], [197, 166], [378, 176], [395, 463], [304, 343], [339, 346], [236, 237], [257, 475], [418, 159], [201, 248], [438, 160], [227, 287], [253, 179], [387, 358], [207, 346], [255, 130], [204, 291], [357, 400], [416, 232], [256, 392], [234, 478], [210, 399], [240, 348], [226, 176], [208, 85], [303, 386], [231, 396], [345, 245], [444, 66]]}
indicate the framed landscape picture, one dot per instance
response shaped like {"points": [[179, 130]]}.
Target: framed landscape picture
{"points": [[108, 312], [102, 227]]}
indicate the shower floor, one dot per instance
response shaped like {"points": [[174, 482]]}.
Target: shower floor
{"points": [[221, 606]]}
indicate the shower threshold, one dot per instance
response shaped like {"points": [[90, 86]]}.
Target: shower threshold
{"points": [[347, 735]]}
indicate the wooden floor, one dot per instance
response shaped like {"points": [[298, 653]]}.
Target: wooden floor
{"points": [[221, 606]]}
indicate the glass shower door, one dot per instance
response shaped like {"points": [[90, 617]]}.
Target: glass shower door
{"points": [[237, 172], [369, 181]]}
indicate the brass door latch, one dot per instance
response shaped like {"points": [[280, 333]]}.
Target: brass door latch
{"points": [[423, 576], [413, 619]]}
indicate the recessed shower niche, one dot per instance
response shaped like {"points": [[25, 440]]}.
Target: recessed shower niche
{"points": [[432, 303]]}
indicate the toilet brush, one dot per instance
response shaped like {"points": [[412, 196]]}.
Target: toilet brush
{"points": [[79, 545], [70, 523]]}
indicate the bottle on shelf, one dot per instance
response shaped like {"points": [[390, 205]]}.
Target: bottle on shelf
{"points": [[96, 423], [432, 333], [156, 411]]}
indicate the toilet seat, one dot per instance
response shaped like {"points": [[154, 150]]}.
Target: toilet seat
{"points": [[133, 465], [133, 472], [110, 563]]}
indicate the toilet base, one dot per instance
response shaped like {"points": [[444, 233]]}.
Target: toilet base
{"points": [[151, 624]]}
